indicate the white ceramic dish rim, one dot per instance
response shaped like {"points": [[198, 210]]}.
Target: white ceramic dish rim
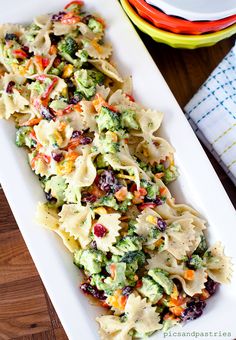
{"points": [[196, 10], [197, 185]]}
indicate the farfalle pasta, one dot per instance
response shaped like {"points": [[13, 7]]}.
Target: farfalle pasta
{"points": [[104, 170]]}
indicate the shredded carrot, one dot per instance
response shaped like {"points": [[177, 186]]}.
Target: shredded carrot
{"points": [[163, 191], [121, 194], [31, 122], [189, 274], [53, 50], [177, 310], [113, 270], [159, 175], [205, 295], [72, 156]]}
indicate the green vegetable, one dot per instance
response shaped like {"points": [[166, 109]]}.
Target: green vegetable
{"points": [[202, 247], [195, 261], [108, 120], [124, 206], [91, 260], [169, 323], [119, 281], [107, 145], [133, 260], [23, 137], [40, 87], [128, 120], [98, 280], [58, 104], [31, 32], [57, 186], [131, 227], [68, 46], [170, 174], [86, 81], [83, 55], [150, 289], [161, 277], [107, 201], [152, 189], [58, 70], [95, 25], [100, 162], [130, 243]]}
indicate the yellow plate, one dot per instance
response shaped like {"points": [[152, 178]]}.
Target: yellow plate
{"points": [[176, 40]]}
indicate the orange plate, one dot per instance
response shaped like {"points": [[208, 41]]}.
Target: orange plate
{"points": [[178, 25]]}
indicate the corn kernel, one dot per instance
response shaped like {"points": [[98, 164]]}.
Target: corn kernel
{"points": [[65, 167], [100, 211], [64, 92], [67, 71], [151, 219], [97, 46], [175, 293], [112, 135], [131, 178]]}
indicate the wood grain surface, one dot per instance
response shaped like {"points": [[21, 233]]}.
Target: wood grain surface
{"points": [[26, 312]]}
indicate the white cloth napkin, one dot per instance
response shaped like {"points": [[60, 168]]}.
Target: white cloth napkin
{"points": [[212, 113]]}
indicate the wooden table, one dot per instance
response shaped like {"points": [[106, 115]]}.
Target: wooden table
{"points": [[26, 311]]}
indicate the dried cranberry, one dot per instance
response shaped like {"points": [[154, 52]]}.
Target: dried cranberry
{"points": [[76, 134], [46, 113], [93, 245], [211, 286], [150, 205], [127, 290], [87, 288], [11, 36], [54, 38], [58, 157], [99, 230], [194, 310], [161, 224], [74, 100], [49, 197], [26, 50], [10, 86], [58, 16], [86, 19], [85, 140], [107, 182], [87, 197], [156, 200]]}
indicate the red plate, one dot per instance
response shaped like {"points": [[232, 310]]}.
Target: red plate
{"points": [[178, 25]]}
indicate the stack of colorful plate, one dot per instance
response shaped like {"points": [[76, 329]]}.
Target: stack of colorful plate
{"points": [[184, 23]]}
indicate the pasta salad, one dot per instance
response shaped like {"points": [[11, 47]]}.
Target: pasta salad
{"points": [[105, 173]]}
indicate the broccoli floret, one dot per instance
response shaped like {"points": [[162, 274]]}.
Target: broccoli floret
{"points": [[23, 137], [108, 120], [86, 81], [95, 25], [130, 243], [98, 280], [83, 55], [68, 46], [202, 247], [161, 277], [131, 227], [107, 201], [128, 120], [57, 70], [56, 185], [107, 145], [150, 289], [124, 206], [119, 280], [195, 262], [91, 260], [133, 260], [152, 189], [170, 174], [100, 162]]}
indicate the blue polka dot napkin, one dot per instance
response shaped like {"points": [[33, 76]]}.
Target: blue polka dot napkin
{"points": [[212, 113]]}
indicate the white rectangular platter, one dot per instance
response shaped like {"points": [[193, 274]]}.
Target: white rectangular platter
{"points": [[198, 184]]}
